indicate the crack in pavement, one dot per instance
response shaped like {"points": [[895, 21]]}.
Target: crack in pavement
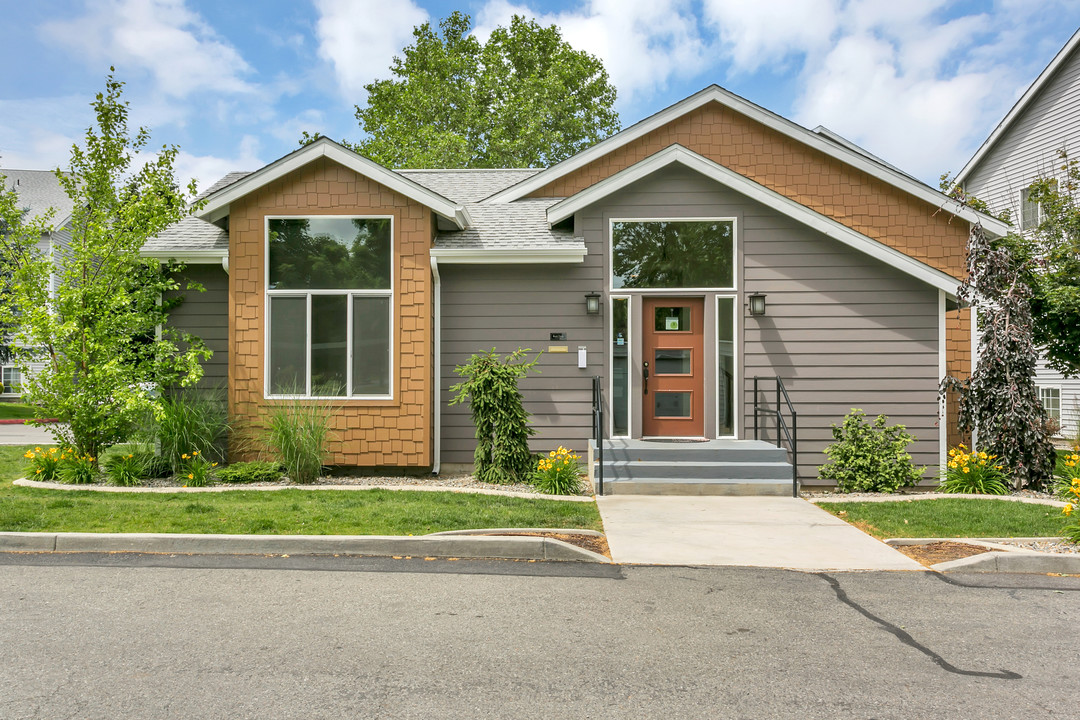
{"points": [[906, 638]]}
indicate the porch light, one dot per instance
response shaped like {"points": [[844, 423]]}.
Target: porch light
{"points": [[592, 303], [757, 304]]}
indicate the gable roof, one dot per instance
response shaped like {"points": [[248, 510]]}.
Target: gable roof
{"points": [[714, 93], [747, 187], [217, 202], [38, 191], [468, 185], [1018, 109]]}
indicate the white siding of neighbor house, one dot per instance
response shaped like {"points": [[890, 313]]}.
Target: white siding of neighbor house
{"points": [[1026, 151]]}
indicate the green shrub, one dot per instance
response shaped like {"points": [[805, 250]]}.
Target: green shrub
{"points": [[558, 473], [1067, 473], [44, 464], [77, 469], [972, 472], [250, 472], [296, 433], [191, 418], [128, 469], [196, 469], [867, 457], [502, 426]]}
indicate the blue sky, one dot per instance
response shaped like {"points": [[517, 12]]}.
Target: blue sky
{"points": [[233, 83]]}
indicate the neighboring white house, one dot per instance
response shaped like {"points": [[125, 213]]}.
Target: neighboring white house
{"points": [[38, 192], [1025, 146]]}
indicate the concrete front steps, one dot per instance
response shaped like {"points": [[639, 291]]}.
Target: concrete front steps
{"points": [[680, 467]]}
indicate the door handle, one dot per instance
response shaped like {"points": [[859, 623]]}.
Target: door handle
{"points": [[645, 377]]}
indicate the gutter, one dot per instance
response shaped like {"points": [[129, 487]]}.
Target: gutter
{"points": [[437, 379]]}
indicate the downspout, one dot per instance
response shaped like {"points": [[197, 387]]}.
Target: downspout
{"points": [[437, 353]]}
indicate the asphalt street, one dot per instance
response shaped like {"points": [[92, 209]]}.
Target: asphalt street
{"points": [[157, 636]]}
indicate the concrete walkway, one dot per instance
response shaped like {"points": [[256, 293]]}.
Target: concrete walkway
{"points": [[24, 435], [750, 531]]}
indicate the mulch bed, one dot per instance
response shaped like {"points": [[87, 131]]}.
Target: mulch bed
{"points": [[595, 543], [939, 552]]}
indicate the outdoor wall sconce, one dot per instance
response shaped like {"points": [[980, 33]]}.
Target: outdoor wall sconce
{"points": [[757, 304], [592, 303]]}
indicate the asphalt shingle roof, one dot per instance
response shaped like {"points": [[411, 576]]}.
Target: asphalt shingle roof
{"points": [[190, 234], [520, 225], [468, 186], [39, 190]]}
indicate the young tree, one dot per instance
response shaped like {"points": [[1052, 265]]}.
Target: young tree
{"points": [[96, 332], [525, 98], [999, 400]]}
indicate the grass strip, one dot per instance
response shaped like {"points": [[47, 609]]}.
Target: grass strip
{"points": [[282, 512], [15, 411], [950, 518]]}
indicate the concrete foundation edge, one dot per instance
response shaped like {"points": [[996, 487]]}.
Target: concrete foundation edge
{"points": [[460, 546]]}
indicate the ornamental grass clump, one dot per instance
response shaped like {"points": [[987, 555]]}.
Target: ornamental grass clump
{"points": [[191, 418], [973, 472], [129, 469], [867, 457], [44, 464], [296, 433], [558, 473]]}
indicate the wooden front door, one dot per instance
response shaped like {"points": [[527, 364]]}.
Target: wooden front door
{"points": [[672, 350]]}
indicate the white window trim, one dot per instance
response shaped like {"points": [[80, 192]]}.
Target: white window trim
{"points": [[16, 368], [391, 293], [673, 290]]}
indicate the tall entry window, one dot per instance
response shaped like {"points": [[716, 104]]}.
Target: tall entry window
{"points": [[329, 297], [660, 254]]}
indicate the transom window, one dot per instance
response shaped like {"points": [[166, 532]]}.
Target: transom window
{"points": [[330, 303], [673, 254]]}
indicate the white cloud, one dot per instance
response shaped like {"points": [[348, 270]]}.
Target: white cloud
{"points": [[208, 169], [183, 53], [755, 35], [360, 37], [644, 44], [37, 133]]}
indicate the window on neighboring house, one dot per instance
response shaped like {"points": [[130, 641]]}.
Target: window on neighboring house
{"points": [[9, 376], [1051, 401], [1031, 213], [329, 298]]}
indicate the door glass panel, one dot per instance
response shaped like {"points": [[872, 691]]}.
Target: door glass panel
{"points": [[725, 359], [620, 367], [329, 344], [672, 319], [671, 404], [669, 361], [288, 346], [371, 346]]}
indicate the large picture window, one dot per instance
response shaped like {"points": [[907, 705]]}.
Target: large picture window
{"points": [[673, 254], [329, 288]]}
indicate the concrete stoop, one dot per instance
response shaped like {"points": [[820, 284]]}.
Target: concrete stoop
{"points": [[707, 467]]}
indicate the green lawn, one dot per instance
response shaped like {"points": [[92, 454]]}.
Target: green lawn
{"points": [[15, 411], [950, 517], [292, 511]]}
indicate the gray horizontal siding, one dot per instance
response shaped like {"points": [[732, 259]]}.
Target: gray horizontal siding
{"points": [[843, 330], [206, 315]]}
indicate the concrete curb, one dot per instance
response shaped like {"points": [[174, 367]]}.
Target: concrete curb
{"points": [[23, 482], [24, 421], [500, 547], [934, 496], [1009, 559]]}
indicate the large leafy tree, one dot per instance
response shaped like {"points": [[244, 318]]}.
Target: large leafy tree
{"points": [[1054, 251], [96, 331], [525, 98]]}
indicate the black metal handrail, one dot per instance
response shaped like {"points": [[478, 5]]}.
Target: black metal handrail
{"points": [[598, 430], [790, 433]]}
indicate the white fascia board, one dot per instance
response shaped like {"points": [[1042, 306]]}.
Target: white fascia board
{"points": [[770, 198], [456, 256], [190, 257], [771, 120], [1029, 95], [217, 204]]}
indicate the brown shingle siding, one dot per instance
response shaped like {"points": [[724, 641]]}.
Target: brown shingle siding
{"points": [[369, 433]]}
